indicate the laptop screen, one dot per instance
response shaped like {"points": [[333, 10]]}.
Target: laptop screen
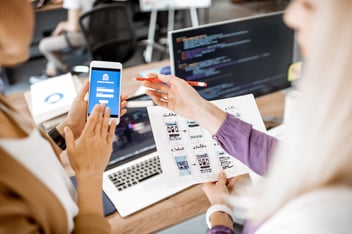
{"points": [[235, 57], [133, 136]]}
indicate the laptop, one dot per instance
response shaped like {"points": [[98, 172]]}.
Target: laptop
{"points": [[133, 179]]}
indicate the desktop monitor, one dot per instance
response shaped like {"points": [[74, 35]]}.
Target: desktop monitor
{"points": [[235, 57]]}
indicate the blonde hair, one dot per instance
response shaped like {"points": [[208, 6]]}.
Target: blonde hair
{"points": [[317, 151]]}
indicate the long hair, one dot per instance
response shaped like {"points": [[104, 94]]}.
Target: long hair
{"points": [[317, 150]]}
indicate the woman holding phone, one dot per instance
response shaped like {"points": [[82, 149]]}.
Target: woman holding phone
{"points": [[36, 194]]}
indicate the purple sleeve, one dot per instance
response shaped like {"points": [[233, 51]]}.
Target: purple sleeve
{"points": [[219, 229], [250, 146], [248, 229]]}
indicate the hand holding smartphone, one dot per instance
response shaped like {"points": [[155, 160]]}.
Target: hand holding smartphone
{"points": [[105, 87]]}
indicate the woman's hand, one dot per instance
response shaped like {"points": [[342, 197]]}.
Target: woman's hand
{"points": [[90, 153], [178, 96], [215, 191], [76, 118], [175, 94], [123, 104]]}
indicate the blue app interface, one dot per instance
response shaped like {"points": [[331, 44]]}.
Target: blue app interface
{"points": [[105, 87]]}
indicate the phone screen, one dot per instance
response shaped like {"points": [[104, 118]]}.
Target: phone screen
{"points": [[105, 88]]}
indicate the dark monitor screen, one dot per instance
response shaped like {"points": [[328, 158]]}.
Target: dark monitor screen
{"points": [[133, 137], [236, 57]]}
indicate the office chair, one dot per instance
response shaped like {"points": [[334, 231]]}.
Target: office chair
{"points": [[109, 32], [111, 35]]}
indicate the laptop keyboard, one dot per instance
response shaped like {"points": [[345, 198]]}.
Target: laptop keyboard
{"points": [[135, 174]]}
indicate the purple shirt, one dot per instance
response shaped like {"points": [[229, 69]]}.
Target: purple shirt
{"points": [[250, 146]]}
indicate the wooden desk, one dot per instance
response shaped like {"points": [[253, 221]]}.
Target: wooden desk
{"points": [[182, 206]]}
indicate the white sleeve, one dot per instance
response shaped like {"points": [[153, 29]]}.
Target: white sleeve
{"points": [[322, 212], [71, 4]]}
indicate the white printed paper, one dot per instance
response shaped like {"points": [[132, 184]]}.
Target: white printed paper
{"points": [[188, 153]]}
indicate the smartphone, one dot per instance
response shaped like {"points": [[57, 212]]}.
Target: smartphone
{"points": [[105, 87]]}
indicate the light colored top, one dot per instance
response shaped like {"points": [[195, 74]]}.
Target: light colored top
{"points": [[27, 205], [323, 211], [37, 155], [83, 5]]}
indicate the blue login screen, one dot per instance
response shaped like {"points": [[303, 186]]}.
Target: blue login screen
{"points": [[105, 88]]}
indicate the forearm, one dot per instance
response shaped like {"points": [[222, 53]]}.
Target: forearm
{"points": [[221, 223], [250, 146], [209, 116], [238, 138], [221, 218], [89, 189]]}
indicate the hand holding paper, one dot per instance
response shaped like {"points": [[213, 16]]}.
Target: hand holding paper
{"points": [[189, 153]]}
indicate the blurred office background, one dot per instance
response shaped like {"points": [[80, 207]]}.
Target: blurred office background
{"points": [[17, 78]]}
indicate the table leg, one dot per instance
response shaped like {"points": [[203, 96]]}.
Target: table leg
{"points": [[148, 53]]}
